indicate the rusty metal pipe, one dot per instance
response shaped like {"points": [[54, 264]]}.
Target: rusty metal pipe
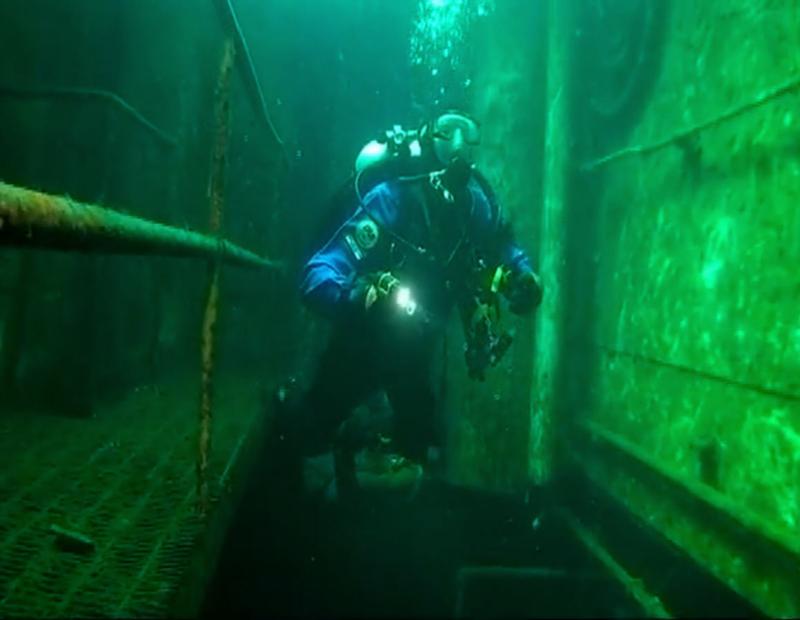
{"points": [[30, 218]]}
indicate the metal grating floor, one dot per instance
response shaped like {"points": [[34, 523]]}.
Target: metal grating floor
{"points": [[125, 479]]}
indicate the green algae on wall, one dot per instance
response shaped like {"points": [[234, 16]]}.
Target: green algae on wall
{"points": [[698, 334]]}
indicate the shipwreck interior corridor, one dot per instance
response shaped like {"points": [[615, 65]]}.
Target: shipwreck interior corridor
{"points": [[624, 444], [444, 550]]}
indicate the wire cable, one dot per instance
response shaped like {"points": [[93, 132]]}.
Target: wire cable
{"points": [[253, 77], [89, 93]]}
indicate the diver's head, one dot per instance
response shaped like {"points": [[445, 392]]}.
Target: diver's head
{"points": [[450, 141], [453, 135]]}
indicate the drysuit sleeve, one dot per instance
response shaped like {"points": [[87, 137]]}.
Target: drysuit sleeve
{"points": [[332, 282], [328, 278], [524, 290]]}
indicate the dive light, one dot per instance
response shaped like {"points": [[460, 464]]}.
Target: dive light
{"points": [[389, 286], [405, 300]]}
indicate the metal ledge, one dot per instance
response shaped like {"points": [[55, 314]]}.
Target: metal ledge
{"points": [[688, 586], [749, 522], [649, 602]]}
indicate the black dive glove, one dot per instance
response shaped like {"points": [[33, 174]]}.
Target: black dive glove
{"points": [[524, 291]]}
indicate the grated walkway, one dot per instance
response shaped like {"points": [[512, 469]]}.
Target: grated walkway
{"points": [[125, 480]]}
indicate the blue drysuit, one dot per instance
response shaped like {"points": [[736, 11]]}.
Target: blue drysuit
{"points": [[429, 252], [330, 275]]}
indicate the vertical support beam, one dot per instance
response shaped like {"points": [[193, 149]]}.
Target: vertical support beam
{"points": [[551, 259], [216, 195]]}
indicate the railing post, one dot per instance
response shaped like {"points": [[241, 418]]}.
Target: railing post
{"points": [[216, 195]]}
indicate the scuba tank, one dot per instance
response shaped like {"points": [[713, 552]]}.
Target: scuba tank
{"points": [[394, 153]]}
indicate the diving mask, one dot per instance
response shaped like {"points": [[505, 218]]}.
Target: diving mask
{"points": [[454, 135]]}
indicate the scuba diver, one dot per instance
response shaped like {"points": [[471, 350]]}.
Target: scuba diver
{"points": [[423, 234]]}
